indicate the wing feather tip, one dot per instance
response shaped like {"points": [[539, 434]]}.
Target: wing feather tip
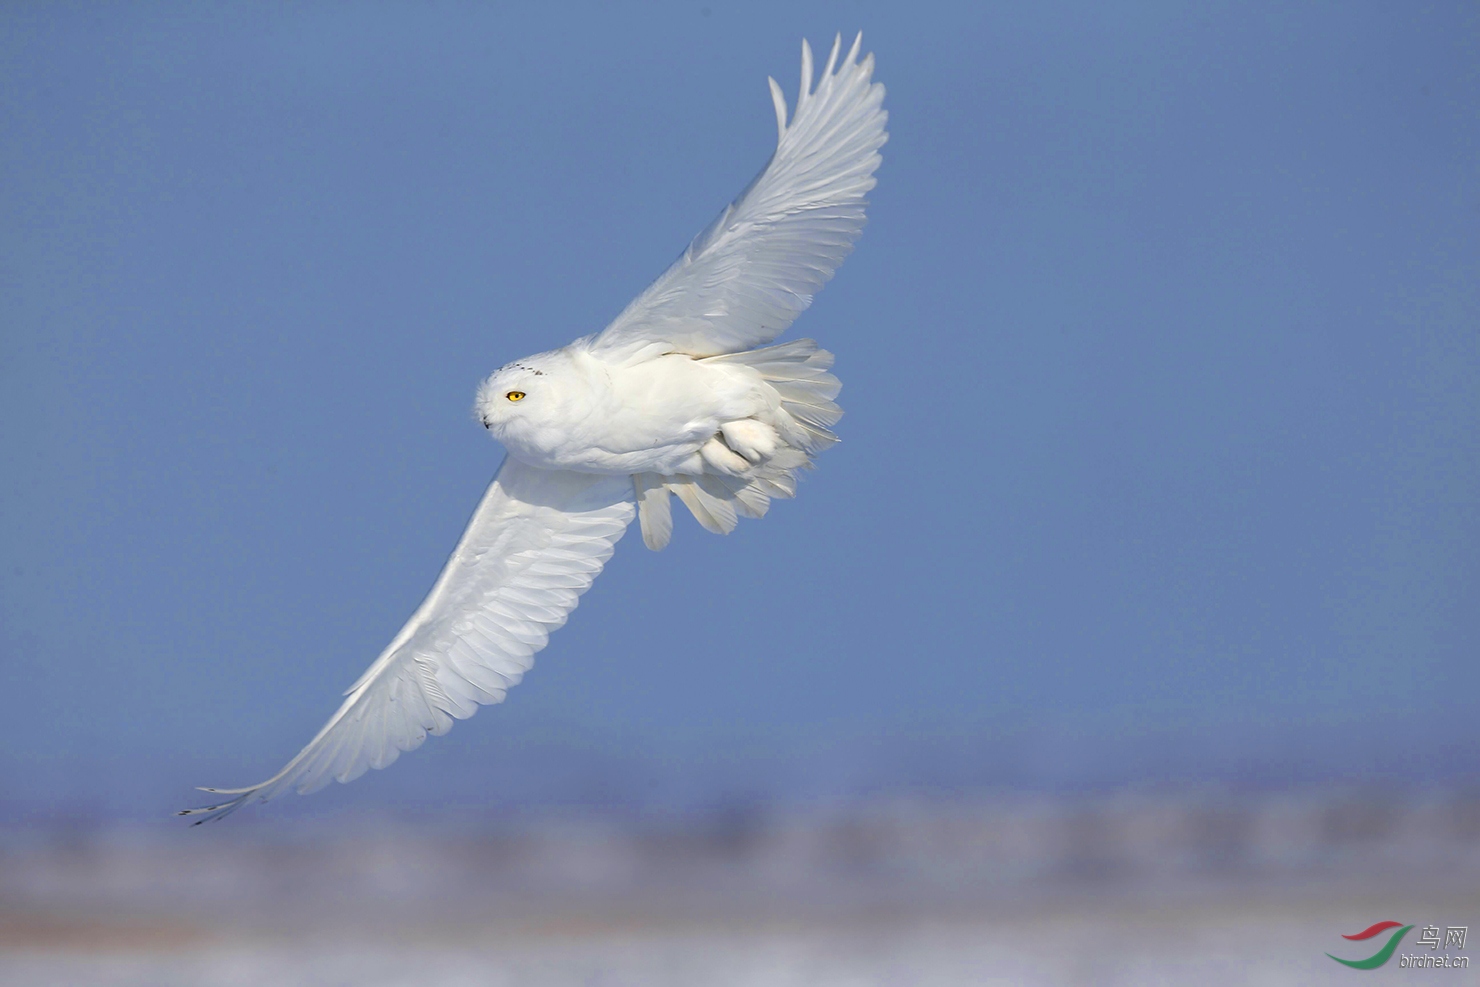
{"points": [[209, 813], [832, 58], [779, 100], [806, 73]]}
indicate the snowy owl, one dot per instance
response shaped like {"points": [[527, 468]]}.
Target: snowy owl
{"points": [[680, 395]]}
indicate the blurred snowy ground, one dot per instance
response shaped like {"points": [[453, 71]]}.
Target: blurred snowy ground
{"points": [[1123, 889]]}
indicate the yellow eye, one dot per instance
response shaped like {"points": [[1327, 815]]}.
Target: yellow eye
{"points": [[515, 395]]}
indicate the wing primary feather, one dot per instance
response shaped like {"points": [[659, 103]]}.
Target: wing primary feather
{"points": [[806, 74], [832, 59], [778, 99]]}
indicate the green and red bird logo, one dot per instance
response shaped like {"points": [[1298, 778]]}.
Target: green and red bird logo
{"points": [[1384, 954]]}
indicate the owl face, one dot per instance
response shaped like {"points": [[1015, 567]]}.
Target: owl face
{"points": [[530, 396]]}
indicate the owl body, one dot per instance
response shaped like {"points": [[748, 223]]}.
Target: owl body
{"points": [[683, 395], [570, 409]]}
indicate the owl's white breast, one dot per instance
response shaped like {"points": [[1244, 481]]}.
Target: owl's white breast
{"points": [[588, 415]]}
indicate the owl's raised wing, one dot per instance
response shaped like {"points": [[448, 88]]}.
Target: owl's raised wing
{"points": [[748, 276], [536, 542]]}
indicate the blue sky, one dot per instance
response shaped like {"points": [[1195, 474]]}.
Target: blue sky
{"points": [[1160, 363]]}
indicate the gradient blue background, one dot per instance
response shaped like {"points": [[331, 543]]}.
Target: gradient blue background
{"points": [[1160, 357]]}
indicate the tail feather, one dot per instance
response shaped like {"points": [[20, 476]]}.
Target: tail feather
{"points": [[752, 501], [818, 416], [783, 486], [812, 392], [802, 415], [716, 514], [780, 361], [814, 440], [653, 510]]}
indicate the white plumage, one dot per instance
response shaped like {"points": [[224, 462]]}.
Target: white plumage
{"points": [[671, 399]]}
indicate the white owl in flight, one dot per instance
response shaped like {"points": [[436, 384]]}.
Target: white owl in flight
{"points": [[680, 395]]}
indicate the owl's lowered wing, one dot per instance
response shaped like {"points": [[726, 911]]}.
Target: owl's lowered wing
{"points": [[534, 545], [748, 276]]}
